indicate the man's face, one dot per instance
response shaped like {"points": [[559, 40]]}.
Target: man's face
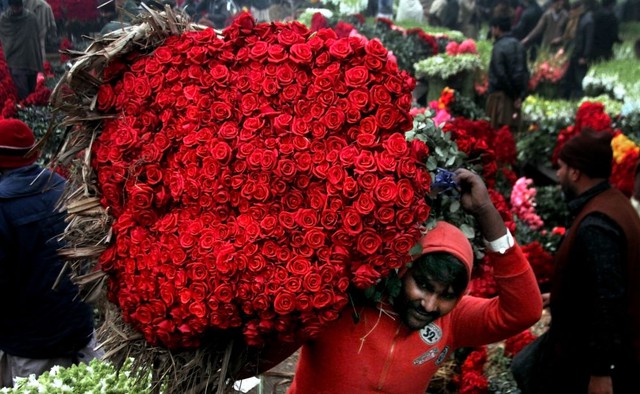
{"points": [[494, 31], [423, 300], [564, 179], [558, 5], [16, 9]]}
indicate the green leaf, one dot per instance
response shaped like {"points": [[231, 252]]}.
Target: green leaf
{"points": [[455, 206], [432, 163], [468, 231], [416, 250]]}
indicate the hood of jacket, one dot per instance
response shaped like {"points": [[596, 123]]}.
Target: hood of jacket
{"points": [[445, 237]]}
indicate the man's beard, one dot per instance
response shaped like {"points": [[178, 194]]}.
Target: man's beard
{"points": [[568, 192], [412, 314]]}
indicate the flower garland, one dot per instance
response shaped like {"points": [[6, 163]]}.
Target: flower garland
{"points": [[253, 178]]}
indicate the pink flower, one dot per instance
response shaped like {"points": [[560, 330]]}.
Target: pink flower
{"points": [[452, 48], [468, 46]]}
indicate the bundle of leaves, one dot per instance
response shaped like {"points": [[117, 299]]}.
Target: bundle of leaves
{"points": [[466, 107], [39, 118], [95, 377]]}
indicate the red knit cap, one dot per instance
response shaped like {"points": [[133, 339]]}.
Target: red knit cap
{"points": [[16, 140], [445, 237]]}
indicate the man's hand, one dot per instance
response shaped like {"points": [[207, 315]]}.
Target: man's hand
{"points": [[517, 103], [546, 298], [600, 385], [475, 199], [474, 195]]}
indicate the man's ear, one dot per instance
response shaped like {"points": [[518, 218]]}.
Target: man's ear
{"points": [[574, 174]]}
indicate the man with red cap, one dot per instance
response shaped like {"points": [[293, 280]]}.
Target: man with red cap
{"points": [[42, 325], [396, 346], [593, 344]]}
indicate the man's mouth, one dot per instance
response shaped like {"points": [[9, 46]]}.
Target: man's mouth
{"points": [[424, 315]]}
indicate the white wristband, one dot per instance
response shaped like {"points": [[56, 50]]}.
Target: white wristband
{"points": [[502, 244]]}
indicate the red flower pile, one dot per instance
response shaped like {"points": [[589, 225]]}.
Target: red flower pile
{"points": [[40, 96], [472, 379], [8, 93], [589, 115], [592, 115], [479, 141], [541, 262], [467, 46], [548, 69], [253, 178], [513, 345], [79, 10]]}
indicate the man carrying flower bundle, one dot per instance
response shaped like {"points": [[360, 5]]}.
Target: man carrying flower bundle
{"points": [[593, 344], [397, 345], [43, 322]]}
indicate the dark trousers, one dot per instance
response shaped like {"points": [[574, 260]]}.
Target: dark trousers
{"points": [[25, 81], [573, 79]]}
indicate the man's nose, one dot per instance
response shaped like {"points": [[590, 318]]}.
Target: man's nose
{"points": [[430, 302]]}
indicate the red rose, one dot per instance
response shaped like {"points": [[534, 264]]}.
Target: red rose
{"points": [[141, 196], [364, 162], [284, 303], [356, 76], [351, 221], [380, 95], [299, 266], [312, 282], [387, 116], [340, 48], [385, 215], [368, 243], [385, 162], [365, 276], [106, 97], [359, 99], [322, 299], [365, 204], [301, 53]]}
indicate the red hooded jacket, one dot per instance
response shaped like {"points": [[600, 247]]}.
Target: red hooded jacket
{"points": [[381, 354]]}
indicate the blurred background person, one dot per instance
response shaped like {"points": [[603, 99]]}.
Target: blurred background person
{"points": [[19, 34]]}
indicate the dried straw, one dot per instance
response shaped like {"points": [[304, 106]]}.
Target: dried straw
{"points": [[88, 232]]}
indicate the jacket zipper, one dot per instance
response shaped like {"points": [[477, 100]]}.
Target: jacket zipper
{"points": [[387, 364]]}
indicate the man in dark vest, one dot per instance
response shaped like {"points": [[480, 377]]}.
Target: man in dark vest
{"points": [[593, 344]]}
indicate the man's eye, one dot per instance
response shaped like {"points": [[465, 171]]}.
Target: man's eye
{"points": [[448, 296]]}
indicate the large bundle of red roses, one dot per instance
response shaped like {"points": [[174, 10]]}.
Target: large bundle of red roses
{"points": [[252, 178]]}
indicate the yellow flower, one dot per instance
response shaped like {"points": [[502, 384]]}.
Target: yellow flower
{"points": [[621, 145]]}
